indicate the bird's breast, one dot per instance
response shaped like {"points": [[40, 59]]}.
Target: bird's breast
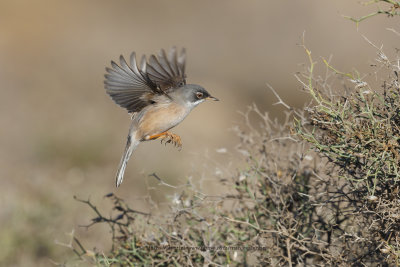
{"points": [[160, 118]]}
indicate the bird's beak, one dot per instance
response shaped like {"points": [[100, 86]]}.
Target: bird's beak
{"points": [[212, 98]]}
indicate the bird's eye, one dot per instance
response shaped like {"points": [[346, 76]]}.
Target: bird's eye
{"points": [[199, 95]]}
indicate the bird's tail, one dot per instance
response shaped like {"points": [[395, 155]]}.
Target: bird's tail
{"points": [[131, 145]]}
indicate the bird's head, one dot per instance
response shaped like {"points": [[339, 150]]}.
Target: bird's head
{"points": [[192, 95]]}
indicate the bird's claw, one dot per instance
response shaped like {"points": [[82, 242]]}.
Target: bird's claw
{"points": [[172, 138]]}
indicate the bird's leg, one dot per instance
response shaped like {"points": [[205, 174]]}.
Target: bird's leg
{"points": [[153, 137], [168, 138]]}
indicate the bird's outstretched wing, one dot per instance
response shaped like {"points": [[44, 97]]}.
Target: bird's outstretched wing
{"points": [[167, 71], [133, 88]]}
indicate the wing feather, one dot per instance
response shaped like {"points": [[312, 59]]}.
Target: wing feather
{"points": [[181, 62], [173, 59]]}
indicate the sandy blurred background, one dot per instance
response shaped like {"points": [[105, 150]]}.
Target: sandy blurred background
{"points": [[61, 135]]}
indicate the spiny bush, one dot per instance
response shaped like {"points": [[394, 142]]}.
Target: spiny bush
{"points": [[358, 131]]}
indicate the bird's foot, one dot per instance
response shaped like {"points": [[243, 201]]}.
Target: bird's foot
{"points": [[167, 138], [171, 138]]}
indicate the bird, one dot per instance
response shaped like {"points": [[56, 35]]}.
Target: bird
{"points": [[155, 94]]}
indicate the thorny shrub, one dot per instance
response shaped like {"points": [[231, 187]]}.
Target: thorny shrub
{"points": [[358, 131]]}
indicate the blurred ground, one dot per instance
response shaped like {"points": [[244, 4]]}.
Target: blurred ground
{"points": [[61, 135]]}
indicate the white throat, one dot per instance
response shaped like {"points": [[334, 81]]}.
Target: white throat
{"points": [[194, 104]]}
